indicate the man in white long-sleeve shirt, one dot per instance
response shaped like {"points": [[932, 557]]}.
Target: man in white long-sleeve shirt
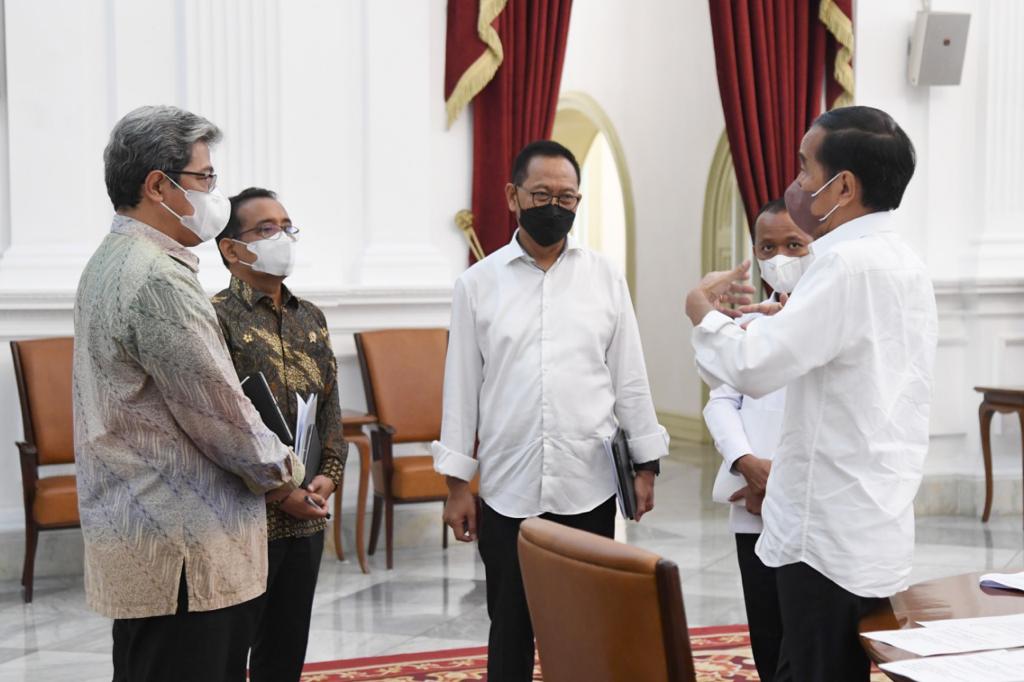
{"points": [[746, 433], [544, 362], [854, 346]]}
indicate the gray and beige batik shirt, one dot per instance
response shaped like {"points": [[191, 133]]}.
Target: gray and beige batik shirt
{"points": [[172, 459]]}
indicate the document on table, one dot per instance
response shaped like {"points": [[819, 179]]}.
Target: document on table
{"points": [[991, 666], [1008, 581], [957, 636]]}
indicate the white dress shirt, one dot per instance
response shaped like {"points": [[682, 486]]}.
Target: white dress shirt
{"points": [[742, 425], [854, 346], [542, 366]]}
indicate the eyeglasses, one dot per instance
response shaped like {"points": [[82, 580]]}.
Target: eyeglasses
{"points": [[209, 178], [272, 231], [566, 200]]}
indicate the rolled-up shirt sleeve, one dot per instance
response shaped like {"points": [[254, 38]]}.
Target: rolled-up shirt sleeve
{"points": [[463, 377], [722, 415], [634, 408], [176, 339], [774, 350]]}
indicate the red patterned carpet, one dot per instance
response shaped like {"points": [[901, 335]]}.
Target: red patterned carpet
{"points": [[721, 654]]}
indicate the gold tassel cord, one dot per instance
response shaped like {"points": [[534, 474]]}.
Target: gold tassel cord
{"points": [[481, 71], [464, 221], [841, 27]]}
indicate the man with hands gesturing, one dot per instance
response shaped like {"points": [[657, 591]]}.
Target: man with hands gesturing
{"points": [[854, 347]]}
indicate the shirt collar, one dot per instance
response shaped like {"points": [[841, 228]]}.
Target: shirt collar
{"points": [[514, 250], [250, 296], [131, 227], [872, 223]]}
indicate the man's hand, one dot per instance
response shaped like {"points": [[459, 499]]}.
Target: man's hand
{"points": [[643, 484], [278, 494], [460, 510], [766, 307], [718, 291], [751, 500], [321, 485], [755, 471], [295, 505]]}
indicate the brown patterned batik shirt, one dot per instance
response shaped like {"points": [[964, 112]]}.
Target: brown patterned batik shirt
{"points": [[292, 347]]}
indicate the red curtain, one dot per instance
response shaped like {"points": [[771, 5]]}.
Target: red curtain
{"points": [[770, 57], [518, 104]]}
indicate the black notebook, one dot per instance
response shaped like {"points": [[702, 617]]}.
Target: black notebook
{"points": [[257, 390], [617, 448]]}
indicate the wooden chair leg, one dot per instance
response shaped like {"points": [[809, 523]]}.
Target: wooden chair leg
{"points": [[1020, 415], [375, 525], [985, 413], [389, 532], [28, 572], [338, 550], [444, 535]]}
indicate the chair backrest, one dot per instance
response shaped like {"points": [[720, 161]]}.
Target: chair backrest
{"points": [[42, 368], [602, 611], [403, 376]]}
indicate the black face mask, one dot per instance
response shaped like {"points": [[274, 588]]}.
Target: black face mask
{"points": [[548, 224]]}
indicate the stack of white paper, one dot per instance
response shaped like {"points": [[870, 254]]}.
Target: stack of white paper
{"points": [[991, 666], [305, 422], [957, 636], [1010, 581]]}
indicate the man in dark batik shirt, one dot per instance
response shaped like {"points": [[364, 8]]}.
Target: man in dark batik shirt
{"points": [[269, 330]]}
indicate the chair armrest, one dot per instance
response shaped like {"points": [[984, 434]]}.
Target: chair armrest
{"points": [[29, 456], [27, 450], [381, 446]]}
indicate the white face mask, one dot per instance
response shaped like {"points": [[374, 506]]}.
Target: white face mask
{"points": [[273, 256], [783, 272], [210, 212]]}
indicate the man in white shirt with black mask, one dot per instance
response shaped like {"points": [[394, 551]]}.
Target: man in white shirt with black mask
{"points": [[854, 346], [544, 362]]}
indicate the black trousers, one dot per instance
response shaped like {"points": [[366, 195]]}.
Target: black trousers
{"points": [[510, 643], [186, 647], [762, 603], [279, 647], [819, 624]]}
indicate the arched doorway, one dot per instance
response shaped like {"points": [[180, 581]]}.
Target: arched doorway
{"points": [[605, 220]]}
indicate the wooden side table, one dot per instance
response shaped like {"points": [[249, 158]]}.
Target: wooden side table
{"points": [[955, 597], [353, 422], [996, 400]]}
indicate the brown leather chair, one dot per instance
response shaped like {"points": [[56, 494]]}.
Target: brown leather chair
{"points": [[602, 611], [43, 371], [403, 376]]}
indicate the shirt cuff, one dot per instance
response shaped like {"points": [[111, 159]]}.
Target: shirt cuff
{"points": [[451, 463], [732, 452], [332, 468], [714, 321], [652, 446]]}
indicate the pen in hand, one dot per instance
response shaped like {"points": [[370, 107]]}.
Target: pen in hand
{"points": [[311, 503]]}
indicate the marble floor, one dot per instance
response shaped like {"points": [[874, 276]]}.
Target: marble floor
{"points": [[435, 599]]}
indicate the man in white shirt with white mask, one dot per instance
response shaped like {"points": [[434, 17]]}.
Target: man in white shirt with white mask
{"points": [[746, 433], [544, 362], [854, 346]]}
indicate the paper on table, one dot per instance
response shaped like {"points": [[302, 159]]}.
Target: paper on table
{"points": [[1013, 581], [1012, 620], [955, 637], [991, 666]]}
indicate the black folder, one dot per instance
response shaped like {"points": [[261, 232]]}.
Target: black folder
{"points": [[617, 448], [257, 390]]}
